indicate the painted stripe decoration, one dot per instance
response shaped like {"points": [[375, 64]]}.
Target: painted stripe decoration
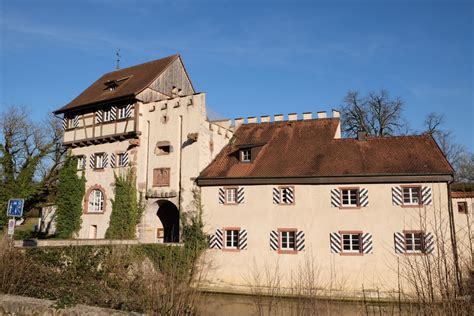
{"points": [[335, 242], [124, 162], [92, 161], [276, 196], [335, 197], [113, 112], [65, 119], [221, 195], [105, 160], [429, 243], [112, 160], [289, 194], [274, 240], [128, 110], [240, 195], [75, 123], [397, 196], [367, 244], [399, 242], [243, 239], [426, 196], [99, 116], [300, 240], [216, 240], [364, 197]]}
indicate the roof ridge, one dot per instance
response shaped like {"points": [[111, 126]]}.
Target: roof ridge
{"points": [[138, 65]]}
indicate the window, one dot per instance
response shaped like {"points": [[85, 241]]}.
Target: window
{"points": [[162, 148], [121, 112], [246, 155], [351, 243], [96, 201], [122, 160], [462, 207], [107, 115], [81, 162], [411, 195], [350, 197], [231, 238], [231, 195], [287, 240], [70, 123], [99, 161], [286, 194], [414, 242]]}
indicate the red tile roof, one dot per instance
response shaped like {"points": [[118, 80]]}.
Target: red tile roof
{"points": [[307, 148], [137, 78], [462, 195]]}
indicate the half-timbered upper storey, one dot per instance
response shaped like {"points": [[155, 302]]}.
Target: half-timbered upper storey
{"points": [[108, 109]]}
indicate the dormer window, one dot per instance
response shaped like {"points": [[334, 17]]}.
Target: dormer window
{"points": [[245, 155]]}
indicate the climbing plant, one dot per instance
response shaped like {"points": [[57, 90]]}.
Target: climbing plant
{"points": [[127, 208], [71, 189]]}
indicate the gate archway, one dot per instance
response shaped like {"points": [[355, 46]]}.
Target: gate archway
{"points": [[168, 214]]}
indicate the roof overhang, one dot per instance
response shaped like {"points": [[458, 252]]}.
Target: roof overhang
{"points": [[94, 104], [407, 178]]}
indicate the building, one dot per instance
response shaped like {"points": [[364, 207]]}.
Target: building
{"points": [[148, 118], [463, 205], [285, 193]]}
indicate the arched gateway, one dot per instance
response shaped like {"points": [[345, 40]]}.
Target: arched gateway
{"points": [[169, 216]]}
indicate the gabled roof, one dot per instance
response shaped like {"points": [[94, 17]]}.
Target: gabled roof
{"points": [[130, 82], [308, 148]]}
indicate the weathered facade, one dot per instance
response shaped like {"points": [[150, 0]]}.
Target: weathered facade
{"points": [[150, 119], [287, 193]]}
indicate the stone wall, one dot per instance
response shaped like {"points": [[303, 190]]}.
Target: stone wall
{"points": [[19, 305]]}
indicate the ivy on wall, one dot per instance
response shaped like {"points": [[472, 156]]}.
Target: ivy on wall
{"points": [[127, 208], [71, 189]]}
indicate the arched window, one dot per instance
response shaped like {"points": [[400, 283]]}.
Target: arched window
{"points": [[96, 201]]}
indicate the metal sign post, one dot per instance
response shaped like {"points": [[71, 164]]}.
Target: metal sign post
{"points": [[14, 209]]}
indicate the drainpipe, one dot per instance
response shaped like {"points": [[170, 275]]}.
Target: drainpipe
{"points": [[452, 228], [180, 163]]}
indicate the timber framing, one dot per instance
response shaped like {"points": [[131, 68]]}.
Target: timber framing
{"points": [[102, 139], [327, 180]]}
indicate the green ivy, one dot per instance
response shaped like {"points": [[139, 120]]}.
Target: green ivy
{"points": [[126, 208], [71, 189]]}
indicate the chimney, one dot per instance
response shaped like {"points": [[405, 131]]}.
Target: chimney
{"points": [[238, 121], [322, 114], [252, 119], [336, 113], [265, 119], [362, 135], [292, 117], [307, 115], [278, 117]]}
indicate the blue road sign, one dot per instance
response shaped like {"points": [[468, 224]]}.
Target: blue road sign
{"points": [[15, 207]]}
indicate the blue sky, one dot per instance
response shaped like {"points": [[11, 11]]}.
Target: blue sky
{"points": [[250, 57]]}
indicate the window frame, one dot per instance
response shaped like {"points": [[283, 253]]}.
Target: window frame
{"points": [[463, 209], [224, 237], [280, 192], [121, 112], [242, 154], [101, 155], [107, 115], [119, 160], [70, 123], [101, 203], [422, 251], [226, 189], [350, 206], [358, 252], [287, 250], [81, 163], [411, 204]]}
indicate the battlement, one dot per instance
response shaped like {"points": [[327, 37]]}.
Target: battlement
{"points": [[281, 117]]}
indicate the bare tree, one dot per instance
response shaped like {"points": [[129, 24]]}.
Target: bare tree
{"points": [[376, 114], [30, 155]]}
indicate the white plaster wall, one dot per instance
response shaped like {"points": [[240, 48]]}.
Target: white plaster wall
{"points": [[313, 214]]}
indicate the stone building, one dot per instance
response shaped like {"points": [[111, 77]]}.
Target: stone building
{"points": [[148, 118], [286, 193]]}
